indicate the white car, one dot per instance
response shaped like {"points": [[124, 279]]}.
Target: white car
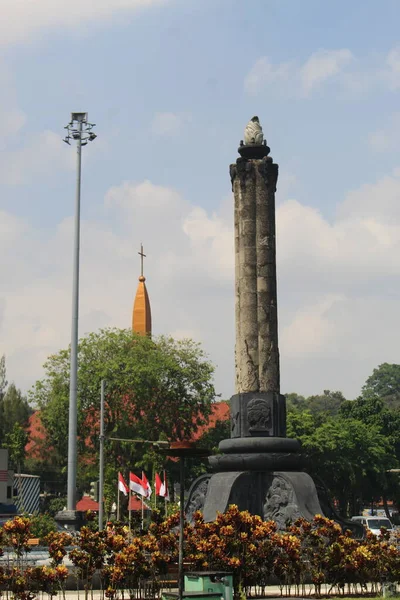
{"points": [[374, 524]]}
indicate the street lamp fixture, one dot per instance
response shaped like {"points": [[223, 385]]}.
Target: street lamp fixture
{"points": [[158, 443], [80, 130]]}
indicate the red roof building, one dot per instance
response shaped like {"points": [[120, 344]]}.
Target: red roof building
{"points": [[87, 503], [37, 432], [136, 504]]}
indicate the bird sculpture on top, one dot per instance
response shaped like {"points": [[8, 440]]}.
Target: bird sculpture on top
{"points": [[253, 134]]}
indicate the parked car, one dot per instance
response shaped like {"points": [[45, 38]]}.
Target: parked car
{"points": [[374, 524]]}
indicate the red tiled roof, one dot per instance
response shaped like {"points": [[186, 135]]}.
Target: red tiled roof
{"points": [[87, 503], [220, 412], [136, 504], [37, 432]]}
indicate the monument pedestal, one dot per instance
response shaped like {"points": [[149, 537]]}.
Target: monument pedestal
{"points": [[259, 474], [70, 519]]}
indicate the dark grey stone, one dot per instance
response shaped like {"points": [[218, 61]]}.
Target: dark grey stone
{"points": [[260, 469], [197, 495], [255, 151], [258, 414], [71, 519], [255, 461], [276, 495], [259, 444]]}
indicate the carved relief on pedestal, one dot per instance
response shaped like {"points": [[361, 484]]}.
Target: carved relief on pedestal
{"points": [[197, 496], [259, 416], [280, 504], [235, 424]]}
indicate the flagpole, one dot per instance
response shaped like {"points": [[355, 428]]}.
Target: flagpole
{"points": [[101, 457], [118, 501], [130, 496], [165, 495]]}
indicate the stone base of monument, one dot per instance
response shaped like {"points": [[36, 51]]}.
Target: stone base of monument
{"points": [[70, 519], [257, 454], [266, 479], [281, 496], [259, 468]]}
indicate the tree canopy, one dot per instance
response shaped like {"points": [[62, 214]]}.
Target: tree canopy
{"points": [[155, 389], [384, 383], [14, 410]]}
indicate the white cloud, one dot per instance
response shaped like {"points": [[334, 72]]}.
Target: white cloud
{"points": [[39, 155], [338, 282], [354, 75], [12, 119], [168, 123], [379, 201], [23, 19], [264, 73], [323, 65], [393, 68], [311, 331], [298, 79], [386, 138]]}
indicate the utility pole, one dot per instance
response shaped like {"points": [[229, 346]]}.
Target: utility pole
{"points": [[101, 458], [79, 130]]}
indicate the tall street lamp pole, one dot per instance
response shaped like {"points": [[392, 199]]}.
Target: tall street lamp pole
{"points": [[80, 130]]}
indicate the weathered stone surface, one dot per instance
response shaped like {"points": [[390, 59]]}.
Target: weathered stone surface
{"points": [[256, 353], [258, 414], [259, 444], [259, 469], [255, 461], [197, 496], [277, 495], [253, 133]]}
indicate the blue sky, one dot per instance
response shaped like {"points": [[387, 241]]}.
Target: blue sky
{"points": [[171, 85]]}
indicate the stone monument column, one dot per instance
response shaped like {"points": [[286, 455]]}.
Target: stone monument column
{"points": [[260, 468], [256, 352], [254, 177]]}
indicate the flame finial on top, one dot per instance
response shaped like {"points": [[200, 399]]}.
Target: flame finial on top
{"points": [[253, 134]]}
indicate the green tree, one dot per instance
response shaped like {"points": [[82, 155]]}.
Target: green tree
{"points": [[376, 407], [3, 377], [154, 388], [321, 405], [294, 402], [350, 456], [194, 467], [300, 425], [16, 441], [325, 404], [384, 383], [14, 409]]}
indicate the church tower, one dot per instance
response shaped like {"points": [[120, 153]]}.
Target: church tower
{"points": [[141, 315]]}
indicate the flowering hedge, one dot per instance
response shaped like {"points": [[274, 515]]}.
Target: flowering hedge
{"points": [[316, 552]]}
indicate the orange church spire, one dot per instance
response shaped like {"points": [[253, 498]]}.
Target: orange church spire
{"points": [[141, 316]]}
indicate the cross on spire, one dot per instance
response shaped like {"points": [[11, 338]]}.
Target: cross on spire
{"points": [[142, 256]]}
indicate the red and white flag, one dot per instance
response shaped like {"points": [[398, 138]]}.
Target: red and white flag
{"points": [[122, 485], [161, 487], [146, 485], [137, 485], [157, 484]]}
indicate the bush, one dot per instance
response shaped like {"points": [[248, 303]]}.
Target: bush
{"points": [[56, 505], [42, 525]]}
